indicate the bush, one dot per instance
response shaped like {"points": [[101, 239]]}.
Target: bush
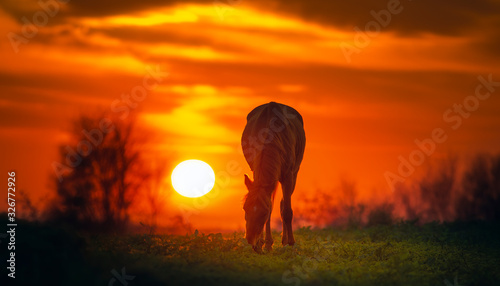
{"points": [[381, 215]]}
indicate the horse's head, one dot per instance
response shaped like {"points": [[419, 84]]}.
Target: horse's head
{"points": [[257, 206]]}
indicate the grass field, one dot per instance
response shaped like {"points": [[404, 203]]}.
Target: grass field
{"points": [[403, 254]]}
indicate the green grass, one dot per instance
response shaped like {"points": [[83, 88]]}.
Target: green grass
{"points": [[384, 255]]}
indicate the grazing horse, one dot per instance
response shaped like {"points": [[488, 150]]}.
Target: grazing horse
{"points": [[273, 144]]}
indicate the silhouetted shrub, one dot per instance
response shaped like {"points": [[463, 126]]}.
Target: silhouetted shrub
{"points": [[381, 215], [453, 189], [480, 190]]}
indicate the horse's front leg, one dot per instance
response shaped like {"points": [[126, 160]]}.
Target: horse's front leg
{"points": [[284, 235], [269, 235]]}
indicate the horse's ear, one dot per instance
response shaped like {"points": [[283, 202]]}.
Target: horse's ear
{"points": [[248, 182]]}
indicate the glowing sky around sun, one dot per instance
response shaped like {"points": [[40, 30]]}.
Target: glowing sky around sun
{"points": [[361, 112]]}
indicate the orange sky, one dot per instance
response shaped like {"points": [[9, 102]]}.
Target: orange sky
{"points": [[361, 111]]}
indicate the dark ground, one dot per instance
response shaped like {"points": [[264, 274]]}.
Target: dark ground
{"points": [[402, 254]]}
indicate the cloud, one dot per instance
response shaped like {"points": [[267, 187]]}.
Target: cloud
{"points": [[193, 126], [90, 8], [439, 17], [294, 33]]}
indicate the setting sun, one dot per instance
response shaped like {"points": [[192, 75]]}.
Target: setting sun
{"points": [[193, 178]]}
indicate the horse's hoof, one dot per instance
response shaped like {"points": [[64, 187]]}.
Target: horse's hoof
{"points": [[257, 249], [269, 248], [284, 240]]}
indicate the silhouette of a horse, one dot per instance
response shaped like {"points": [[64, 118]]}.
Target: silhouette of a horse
{"points": [[273, 143]]}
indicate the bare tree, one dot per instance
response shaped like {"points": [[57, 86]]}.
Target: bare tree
{"points": [[104, 171]]}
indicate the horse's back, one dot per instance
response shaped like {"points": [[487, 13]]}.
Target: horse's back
{"points": [[277, 127], [275, 109]]}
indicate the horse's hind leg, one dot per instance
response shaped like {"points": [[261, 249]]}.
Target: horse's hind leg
{"points": [[286, 210], [287, 216], [284, 237]]}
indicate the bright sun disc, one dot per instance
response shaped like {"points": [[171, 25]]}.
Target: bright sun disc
{"points": [[193, 178]]}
